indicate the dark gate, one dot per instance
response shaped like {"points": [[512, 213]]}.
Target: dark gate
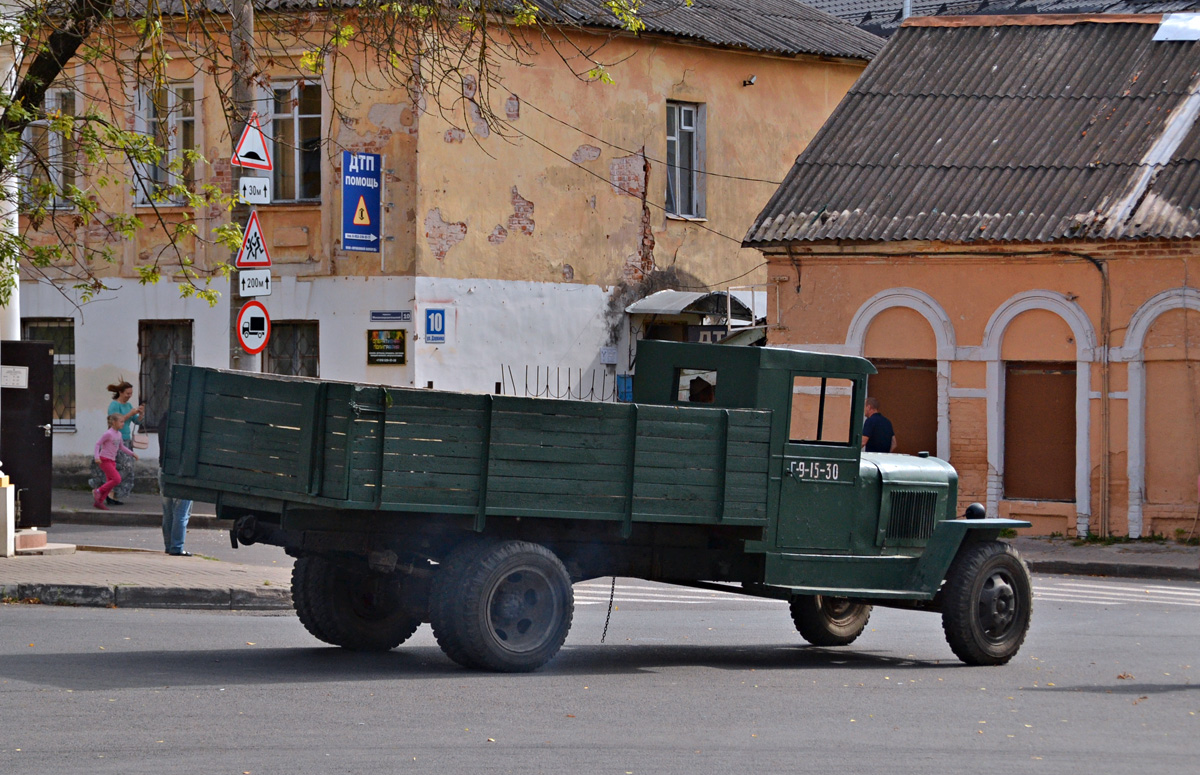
{"points": [[26, 429]]}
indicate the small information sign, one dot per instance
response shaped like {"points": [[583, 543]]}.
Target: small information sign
{"points": [[254, 282], [256, 191], [385, 347]]}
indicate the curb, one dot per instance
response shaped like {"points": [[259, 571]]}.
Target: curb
{"points": [[114, 518], [1134, 571], [121, 596]]}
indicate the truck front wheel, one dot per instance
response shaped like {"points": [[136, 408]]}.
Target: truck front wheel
{"points": [[988, 601], [829, 621], [503, 606], [355, 609]]}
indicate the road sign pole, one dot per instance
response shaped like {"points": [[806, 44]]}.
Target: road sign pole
{"points": [[242, 43]]}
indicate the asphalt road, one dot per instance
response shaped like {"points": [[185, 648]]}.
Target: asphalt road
{"points": [[686, 683]]}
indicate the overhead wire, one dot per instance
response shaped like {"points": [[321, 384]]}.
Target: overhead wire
{"points": [[655, 205], [611, 144]]}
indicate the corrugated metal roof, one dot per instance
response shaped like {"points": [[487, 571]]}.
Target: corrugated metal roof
{"points": [[1013, 132], [784, 27], [690, 303], [883, 17], [772, 26]]}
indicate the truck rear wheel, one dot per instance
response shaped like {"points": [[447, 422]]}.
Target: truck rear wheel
{"points": [[503, 606], [357, 610], [302, 595], [829, 621], [987, 605]]}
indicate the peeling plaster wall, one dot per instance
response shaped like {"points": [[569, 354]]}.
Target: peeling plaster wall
{"points": [[594, 181]]}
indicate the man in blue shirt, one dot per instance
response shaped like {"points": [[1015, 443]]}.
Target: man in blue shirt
{"points": [[877, 433]]}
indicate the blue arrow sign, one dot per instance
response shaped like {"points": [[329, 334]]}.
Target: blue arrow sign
{"points": [[362, 186]]}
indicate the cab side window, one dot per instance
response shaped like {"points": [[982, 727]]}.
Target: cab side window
{"points": [[695, 386], [822, 409]]}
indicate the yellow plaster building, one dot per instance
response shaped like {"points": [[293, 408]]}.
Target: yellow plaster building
{"points": [[515, 234]]}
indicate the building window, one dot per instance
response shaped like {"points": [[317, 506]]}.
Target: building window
{"points": [[685, 159], [60, 332], [161, 345], [50, 156], [168, 116], [294, 348], [296, 155]]}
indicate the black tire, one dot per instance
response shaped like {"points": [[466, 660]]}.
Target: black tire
{"points": [[829, 621], [355, 609], [987, 604], [501, 606], [302, 575]]}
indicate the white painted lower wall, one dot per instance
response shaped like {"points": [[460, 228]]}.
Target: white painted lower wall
{"points": [[489, 324]]}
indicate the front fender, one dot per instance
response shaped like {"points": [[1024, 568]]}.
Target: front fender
{"points": [[948, 538]]}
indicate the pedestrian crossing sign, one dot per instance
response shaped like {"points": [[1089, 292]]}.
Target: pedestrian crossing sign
{"points": [[254, 247]]}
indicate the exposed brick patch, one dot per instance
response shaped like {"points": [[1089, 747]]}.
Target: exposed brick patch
{"points": [[454, 135], [222, 175], [568, 273], [512, 107], [498, 235], [627, 175], [585, 153], [441, 234], [479, 124], [470, 87], [522, 218]]}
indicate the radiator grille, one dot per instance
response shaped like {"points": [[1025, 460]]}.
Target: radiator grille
{"points": [[914, 513]]}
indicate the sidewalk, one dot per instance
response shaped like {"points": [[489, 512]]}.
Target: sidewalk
{"points": [[106, 576]]}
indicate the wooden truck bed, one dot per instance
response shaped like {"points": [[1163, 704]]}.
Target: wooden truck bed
{"points": [[262, 441]]}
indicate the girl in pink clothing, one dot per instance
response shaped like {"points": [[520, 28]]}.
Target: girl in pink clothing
{"points": [[107, 446]]}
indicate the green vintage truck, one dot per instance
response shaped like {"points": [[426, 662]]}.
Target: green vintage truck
{"points": [[734, 468]]}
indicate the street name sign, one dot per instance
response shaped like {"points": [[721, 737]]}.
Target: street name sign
{"points": [[362, 186], [254, 282], [253, 253]]}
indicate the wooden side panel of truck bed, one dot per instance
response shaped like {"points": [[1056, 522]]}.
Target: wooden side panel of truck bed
{"points": [[340, 445]]}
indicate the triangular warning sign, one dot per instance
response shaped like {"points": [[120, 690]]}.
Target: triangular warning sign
{"points": [[361, 216], [254, 247], [252, 147]]}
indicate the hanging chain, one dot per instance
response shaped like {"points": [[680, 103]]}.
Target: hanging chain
{"points": [[612, 593]]}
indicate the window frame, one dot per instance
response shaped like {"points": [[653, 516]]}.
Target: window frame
{"points": [[150, 396], [279, 148], [63, 363], [55, 167], [853, 441], [280, 328], [697, 135], [157, 177]]}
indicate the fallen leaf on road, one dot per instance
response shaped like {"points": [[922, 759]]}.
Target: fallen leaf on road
{"points": [[1124, 677], [249, 643]]}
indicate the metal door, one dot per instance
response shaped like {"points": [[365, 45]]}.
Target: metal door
{"points": [[26, 430], [818, 495]]}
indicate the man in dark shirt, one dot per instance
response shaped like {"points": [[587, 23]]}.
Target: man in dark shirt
{"points": [[877, 433]]}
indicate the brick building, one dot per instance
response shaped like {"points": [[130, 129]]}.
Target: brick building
{"points": [[1003, 214]]}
